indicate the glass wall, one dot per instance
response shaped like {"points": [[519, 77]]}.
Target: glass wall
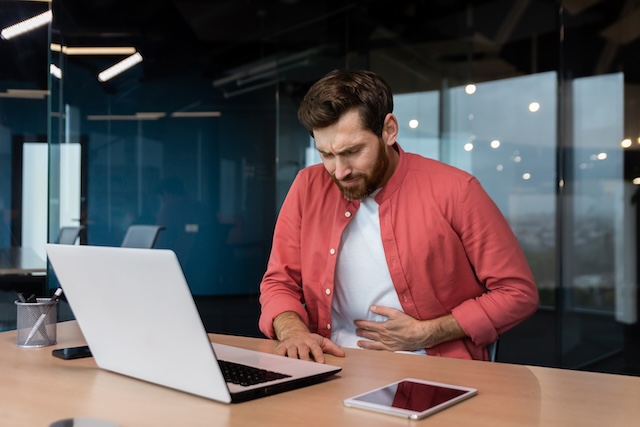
{"points": [[538, 99], [24, 98]]}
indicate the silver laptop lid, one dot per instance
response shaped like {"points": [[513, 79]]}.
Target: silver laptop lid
{"points": [[137, 314]]}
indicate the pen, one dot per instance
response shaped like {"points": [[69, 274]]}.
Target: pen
{"points": [[32, 332]]}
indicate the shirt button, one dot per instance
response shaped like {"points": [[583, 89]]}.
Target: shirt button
{"points": [[328, 325], [347, 214], [332, 251], [327, 291]]}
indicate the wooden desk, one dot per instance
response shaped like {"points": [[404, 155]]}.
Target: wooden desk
{"points": [[37, 389], [18, 260]]}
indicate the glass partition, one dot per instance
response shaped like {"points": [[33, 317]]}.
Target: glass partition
{"points": [[539, 100], [24, 99]]}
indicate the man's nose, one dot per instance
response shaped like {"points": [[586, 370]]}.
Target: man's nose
{"points": [[343, 169]]}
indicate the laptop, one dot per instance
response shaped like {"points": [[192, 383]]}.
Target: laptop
{"points": [[136, 312]]}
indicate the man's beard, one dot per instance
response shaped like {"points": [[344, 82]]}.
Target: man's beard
{"points": [[369, 182]]}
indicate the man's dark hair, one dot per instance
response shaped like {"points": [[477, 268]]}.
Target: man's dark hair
{"points": [[341, 91]]}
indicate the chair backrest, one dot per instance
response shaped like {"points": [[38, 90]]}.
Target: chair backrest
{"points": [[68, 235], [492, 349], [141, 236]]}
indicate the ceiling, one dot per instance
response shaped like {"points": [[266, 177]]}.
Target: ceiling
{"points": [[432, 38]]}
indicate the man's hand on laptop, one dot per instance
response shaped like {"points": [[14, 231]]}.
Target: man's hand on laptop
{"points": [[296, 341]]}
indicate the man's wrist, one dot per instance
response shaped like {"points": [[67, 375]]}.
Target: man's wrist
{"points": [[442, 329], [287, 324]]}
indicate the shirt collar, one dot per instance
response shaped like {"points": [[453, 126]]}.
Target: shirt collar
{"points": [[396, 179]]}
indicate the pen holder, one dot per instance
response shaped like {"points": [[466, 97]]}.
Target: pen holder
{"points": [[36, 323]]}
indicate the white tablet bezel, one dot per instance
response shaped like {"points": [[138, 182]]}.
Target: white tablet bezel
{"points": [[356, 401]]}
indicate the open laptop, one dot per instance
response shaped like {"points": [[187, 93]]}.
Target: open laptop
{"points": [[138, 316]]}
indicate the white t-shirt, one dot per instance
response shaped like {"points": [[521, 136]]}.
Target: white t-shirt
{"points": [[362, 277]]}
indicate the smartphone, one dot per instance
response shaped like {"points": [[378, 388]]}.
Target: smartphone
{"points": [[411, 398], [72, 352]]}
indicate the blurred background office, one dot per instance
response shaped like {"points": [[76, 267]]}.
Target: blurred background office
{"points": [[539, 99]]}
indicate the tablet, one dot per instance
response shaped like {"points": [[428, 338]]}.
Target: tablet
{"points": [[411, 398]]}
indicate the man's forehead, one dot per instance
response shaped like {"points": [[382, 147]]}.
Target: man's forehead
{"points": [[347, 133], [340, 144]]}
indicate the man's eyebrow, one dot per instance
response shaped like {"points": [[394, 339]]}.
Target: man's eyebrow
{"points": [[352, 147]]}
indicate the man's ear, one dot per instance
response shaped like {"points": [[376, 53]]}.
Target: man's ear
{"points": [[390, 130]]}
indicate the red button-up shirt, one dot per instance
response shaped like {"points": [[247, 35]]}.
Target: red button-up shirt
{"points": [[447, 246]]}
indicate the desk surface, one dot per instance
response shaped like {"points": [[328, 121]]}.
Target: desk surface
{"points": [[37, 389], [18, 260]]}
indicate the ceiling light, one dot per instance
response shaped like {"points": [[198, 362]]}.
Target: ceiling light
{"points": [[470, 89], [27, 25], [626, 143], [413, 123], [121, 66], [24, 93], [180, 114], [93, 50], [534, 106], [55, 71], [136, 116], [495, 143]]}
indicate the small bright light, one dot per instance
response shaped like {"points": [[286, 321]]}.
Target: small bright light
{"points": [[413, 124], [526, 176], [55, 71], [639, 140], [602, 156], [636, 181], [468, 146], [499, 168], [471, 118], [626, 143], [517, 159], [470, 89], [583, 166], [495, 143], [27, 25], [534, 106], [121, 66]]}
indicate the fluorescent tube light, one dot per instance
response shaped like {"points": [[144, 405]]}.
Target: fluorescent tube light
{"points": [[93, 50], [121, 66], [24, 93], [27, 25], [180, 114], [55, 71], [136, 116]]}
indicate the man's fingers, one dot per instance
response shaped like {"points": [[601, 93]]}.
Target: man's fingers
{"points": [[310, 348], [318, 354]]}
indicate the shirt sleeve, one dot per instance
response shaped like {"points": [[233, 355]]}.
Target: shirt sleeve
{"points": [[281, 286], [499, 264]]}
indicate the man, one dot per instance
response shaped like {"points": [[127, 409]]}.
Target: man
{"points": [[385, 250]]}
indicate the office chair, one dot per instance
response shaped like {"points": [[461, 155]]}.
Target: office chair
{"points": [[492, 349], [141, 236], [69, 235]]}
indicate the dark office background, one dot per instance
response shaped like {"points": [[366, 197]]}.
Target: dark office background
{"points": [[216, 181]]}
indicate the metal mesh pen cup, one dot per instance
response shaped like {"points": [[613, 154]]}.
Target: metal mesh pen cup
{"points": [[36, 323]]}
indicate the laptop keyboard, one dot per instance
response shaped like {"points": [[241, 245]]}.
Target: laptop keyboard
{"points": [[247, 375]]}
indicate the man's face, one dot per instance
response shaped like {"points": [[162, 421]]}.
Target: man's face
{"points": [[355, 157]]}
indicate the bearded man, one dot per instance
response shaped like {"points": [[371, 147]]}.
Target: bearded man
{"points": [[385, 250]]}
